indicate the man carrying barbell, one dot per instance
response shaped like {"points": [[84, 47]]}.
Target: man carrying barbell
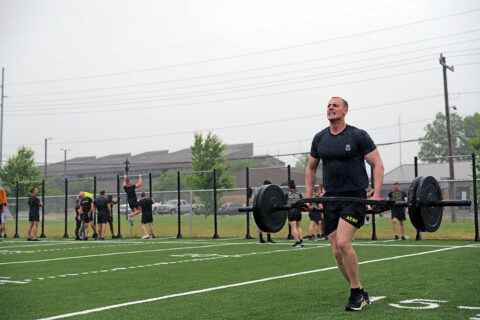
{"points": [[343, 150]]}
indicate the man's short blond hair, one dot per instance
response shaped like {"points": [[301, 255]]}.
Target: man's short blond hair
{"points": [[345, 103]]}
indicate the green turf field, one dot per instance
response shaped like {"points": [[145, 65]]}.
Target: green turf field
{"points": [[234, 279]]}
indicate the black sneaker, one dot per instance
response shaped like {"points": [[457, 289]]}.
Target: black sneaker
{"points": [[270, 241], [95, 236], [403, 238], [85, 239], [262, 241], [35, 239], [396, 237], [28, 239], [296, 245], [356, 302], [301, 243], [5, 235], [78, 238], [365, 296]]}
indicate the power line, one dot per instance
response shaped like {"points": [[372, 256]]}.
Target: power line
{"points": [[258, 85], [376, 66], [268, 67], [224, 99], [334, 17], [336, 38], [241, 125]]}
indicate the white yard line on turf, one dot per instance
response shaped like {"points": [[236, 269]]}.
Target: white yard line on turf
{"points": [[119, 253], [197, 258], [234, 285]]}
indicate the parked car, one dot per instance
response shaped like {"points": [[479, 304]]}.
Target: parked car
{"points": [[171, 207], [229, 208], [123, 208]]}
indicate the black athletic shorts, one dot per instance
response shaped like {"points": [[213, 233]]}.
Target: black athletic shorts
{"points": [[33, 217], [102, 217], [399, 213], [315, 215], [353, 213], [147, 218], [294, 215], [86, 218], [133, 204]]}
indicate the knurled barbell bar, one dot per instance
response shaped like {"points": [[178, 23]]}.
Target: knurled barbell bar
{"points": [[425, 205]]}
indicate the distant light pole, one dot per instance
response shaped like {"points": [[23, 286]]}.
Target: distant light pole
{"points": [[45, 171], [65, 162], [127, 166]]}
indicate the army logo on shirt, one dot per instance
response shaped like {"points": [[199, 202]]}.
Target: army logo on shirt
{"points": [[348, 147]]}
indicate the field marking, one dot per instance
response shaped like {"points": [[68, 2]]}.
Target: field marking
{"points": [[119, 253], [469, 308], [233, 285], [198, 258]]}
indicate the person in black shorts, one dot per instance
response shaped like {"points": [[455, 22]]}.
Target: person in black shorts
{"points": [[316, 216], [260, 232], [131, 195], [110, 216], [295, 215], [86, 204], [104, 210], [147, 216], [398, 213], [343, 150], [78, 219], [33, 215]]}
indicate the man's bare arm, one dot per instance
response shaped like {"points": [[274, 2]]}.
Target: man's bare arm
{"points": [[139, 184], [374, 160], [311, 175]]}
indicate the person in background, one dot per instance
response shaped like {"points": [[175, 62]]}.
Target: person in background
{"points": [[110, 217], [316, 216], [147, 215], [260, 232], [398, 213], [33, 215], [295, 215], [3, 212]]}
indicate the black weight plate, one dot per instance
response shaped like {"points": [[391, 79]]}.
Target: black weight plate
{"points": [[413, 212], [268, 219], [429, 191]]}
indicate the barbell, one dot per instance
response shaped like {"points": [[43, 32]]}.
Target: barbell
{"points": [[424, 202]]}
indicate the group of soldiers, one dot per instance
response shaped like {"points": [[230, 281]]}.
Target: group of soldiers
{"points": [[103, 205]]}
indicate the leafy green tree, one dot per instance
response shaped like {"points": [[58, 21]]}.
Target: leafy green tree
{"points": [[167, 181], [434, 146], [302, 160], [206, 156], [20, 167]]}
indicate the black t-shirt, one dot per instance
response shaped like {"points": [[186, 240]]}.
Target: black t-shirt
{"points": [[131, 195], [86, 204], [146, 205], [34, 204], [101, 205], [343, 158]]}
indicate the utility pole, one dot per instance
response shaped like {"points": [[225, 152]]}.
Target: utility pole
{"points": [[400, 139], [65, 162], [45, 170], [1, 117], [449, 133]]}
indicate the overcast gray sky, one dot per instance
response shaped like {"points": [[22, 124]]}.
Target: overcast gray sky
{"points": [[110, 76]]}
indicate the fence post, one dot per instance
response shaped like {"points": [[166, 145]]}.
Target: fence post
{"points": [[179, 234], [215, 235], [94, 197], [415, 167], [289, 237], [65, 235], [475, 196], [43, 209], [119, 234], [150, 184], [248, 191], [374, 226], [16, 211]]}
